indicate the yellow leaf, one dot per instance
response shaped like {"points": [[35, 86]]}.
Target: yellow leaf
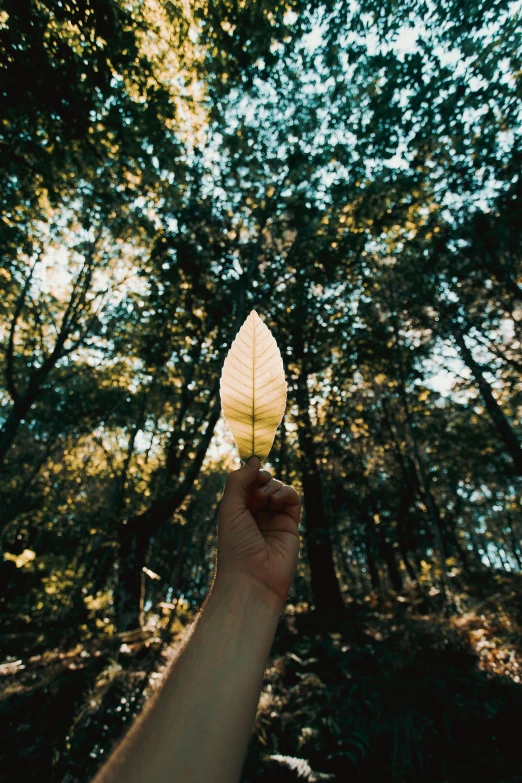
{"points": [[253, 388]]}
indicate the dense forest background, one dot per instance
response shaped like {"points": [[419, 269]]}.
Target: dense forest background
{"points": [[351, 170]]}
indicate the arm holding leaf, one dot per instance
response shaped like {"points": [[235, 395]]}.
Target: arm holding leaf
{"points": [[197, 728]]}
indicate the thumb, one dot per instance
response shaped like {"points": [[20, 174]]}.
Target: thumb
{"points": [[237, 486]]}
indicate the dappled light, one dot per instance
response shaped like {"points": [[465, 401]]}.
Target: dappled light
{"points": [[351, 173]]}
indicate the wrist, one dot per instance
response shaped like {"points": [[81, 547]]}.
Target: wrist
{"points": [[247, 589]]}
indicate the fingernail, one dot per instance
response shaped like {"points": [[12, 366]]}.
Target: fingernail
{"points": [[264, 489], [278, 493]]}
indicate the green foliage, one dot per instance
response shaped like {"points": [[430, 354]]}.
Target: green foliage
{"points": [[352, 173], [404, 699]]}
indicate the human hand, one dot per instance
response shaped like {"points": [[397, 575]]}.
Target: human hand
{"points": [[258, 532]]}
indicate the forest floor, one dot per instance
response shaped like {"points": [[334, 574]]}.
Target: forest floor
{"points": [[399, 691]]}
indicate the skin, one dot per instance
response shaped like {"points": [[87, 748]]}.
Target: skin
{"points": [[197, 728]]}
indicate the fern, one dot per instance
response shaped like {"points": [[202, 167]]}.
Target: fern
{"points": [[301, 767]]}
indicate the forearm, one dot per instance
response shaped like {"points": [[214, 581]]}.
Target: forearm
{"points": [[199, 728]]}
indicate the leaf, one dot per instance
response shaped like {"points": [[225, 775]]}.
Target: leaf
{"points": [[253, 388]]}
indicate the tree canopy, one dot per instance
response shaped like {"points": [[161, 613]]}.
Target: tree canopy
{"points": [[351, 171]]}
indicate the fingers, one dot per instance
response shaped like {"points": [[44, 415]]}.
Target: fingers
{"points": [[268, 489], [280, 497], [250, 487], [239, 482], [262, 478], [288, 499]]}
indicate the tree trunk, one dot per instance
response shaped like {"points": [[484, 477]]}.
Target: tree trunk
{"points": [[22, 403], [421, 477], [498, 418], [420, 473], [128, 593], [409, 492], [407, 498], [388, 556], [283, 454], [135, 536], [515, 544], [17, 505], [12, 423], [370, 544], [326, 592]]}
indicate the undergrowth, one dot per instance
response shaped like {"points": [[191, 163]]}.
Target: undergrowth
{"points": [[398, 691]]}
